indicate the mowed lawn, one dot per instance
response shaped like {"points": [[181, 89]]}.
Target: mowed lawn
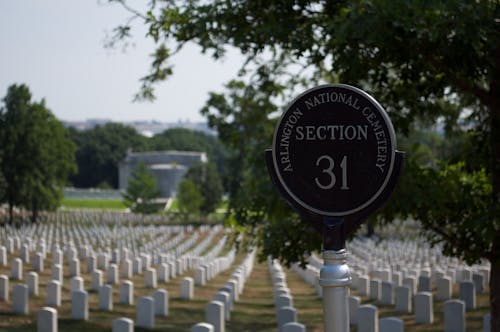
{"points": [[103, 204], [253, 312]]}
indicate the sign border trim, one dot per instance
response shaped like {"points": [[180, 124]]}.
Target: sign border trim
{"points": [[392, 136]]}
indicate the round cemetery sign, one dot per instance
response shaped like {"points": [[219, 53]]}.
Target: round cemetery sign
{"points": [[333, 149]]}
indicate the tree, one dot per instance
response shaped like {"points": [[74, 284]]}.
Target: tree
{"points": [[142, 189], [37, 154], [189, 198], [208, 183], [421, 59], [182, 139], [100, 149]]}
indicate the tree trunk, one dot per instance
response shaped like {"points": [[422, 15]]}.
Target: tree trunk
{"points": [[34, 215], [34, 211], [11, 213], [495, 170], [495, 289], [370, 229]]}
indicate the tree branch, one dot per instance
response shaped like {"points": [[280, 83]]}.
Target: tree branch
{"points": [[130, 9]]}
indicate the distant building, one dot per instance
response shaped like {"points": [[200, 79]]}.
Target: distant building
{"points": [[146, 128], [167, 166]]}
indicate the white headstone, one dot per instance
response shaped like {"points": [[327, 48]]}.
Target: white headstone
{"points": [[387, 297], [233, 283], [113, 274], [479, 282], [225, 299], [397, 278], [454, 316], [354, 303], [115, 256], [424, 284], [284, 300], [126, 269], [38, 262], [137, 265], [391, 324], [16, 269], [468, 294], [25, 253], [375, 291], [126, 292], [403, 299], [57, 257], [293, 327], [102, 261], [79, 305], [200, 276], [202, 327], [367, 318], [444, 289], [424, 313], [32, 282], [3, 256], [164, 275], [4, 288], [91, 263], [47, 320], [57, 273], [106, 297], [161, 302], [96, 281], [74, 267], [146, 261], [54, 293], [123, 324], [214, 315], [76, 283], [286, 315], [145, 312], [364, 285], [487, 323], [187, 288], [150, 276], [20, 299], [173, 272]]}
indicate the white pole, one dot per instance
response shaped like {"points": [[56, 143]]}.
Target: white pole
{"points": [[335, 279]]}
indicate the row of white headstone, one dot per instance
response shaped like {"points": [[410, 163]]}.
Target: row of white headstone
{"points": [[404, 274], [108, 260], [218, 311], [147, 309], [286, 313]]}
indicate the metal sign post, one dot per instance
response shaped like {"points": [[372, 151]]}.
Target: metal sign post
{"points": [[334, 160]]}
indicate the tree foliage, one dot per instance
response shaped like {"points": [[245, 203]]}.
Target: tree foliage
{"points": [[189, 198], [37, 155], [142, 189], [181, 139], [431, 60], [208, 183], [100, 149]]}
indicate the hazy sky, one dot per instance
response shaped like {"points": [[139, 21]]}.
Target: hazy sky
{"points": [[56, 47]]}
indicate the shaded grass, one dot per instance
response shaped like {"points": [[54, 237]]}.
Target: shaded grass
{"points": [[255, 309], [310, 309]]}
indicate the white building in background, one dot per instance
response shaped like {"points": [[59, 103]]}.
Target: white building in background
{"points": [[168, 167]]}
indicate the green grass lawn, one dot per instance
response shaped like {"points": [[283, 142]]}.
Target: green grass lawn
{"points": [[106, 204]]}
